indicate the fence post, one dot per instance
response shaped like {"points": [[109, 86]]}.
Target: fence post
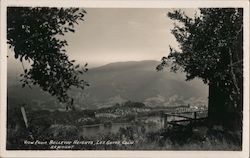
{"points": [[165, 120], [195, 116], [26, 121]]}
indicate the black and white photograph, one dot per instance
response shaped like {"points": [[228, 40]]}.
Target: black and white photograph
{"points": [[125, 78]]}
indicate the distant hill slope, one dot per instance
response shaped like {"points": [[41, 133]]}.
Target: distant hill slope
{"points": [[120, 81]]}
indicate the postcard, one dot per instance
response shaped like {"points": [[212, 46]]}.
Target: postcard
{"points": [[124, 78]]}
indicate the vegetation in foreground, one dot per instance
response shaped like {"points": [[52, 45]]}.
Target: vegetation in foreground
{"points": [[128, 139], [50, 129]]}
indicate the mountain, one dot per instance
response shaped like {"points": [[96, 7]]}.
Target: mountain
{"points": [[138, 81], [121, 81]]}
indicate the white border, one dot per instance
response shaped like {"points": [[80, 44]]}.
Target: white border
{"points": [[124, 4]]}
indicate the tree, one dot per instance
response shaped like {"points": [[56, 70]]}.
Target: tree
{"points": [[211, 48], [36, 36]]}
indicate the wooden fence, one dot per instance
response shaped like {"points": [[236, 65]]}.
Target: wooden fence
{"points": [[184, 118]]}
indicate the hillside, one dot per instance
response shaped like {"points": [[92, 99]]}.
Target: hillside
{"points": [[121, 81]]}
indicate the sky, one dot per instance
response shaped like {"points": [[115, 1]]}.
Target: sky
{"points": [[120, 34]]}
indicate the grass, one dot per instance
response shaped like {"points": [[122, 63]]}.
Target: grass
{"points": [[149, 141], [200, 138]]}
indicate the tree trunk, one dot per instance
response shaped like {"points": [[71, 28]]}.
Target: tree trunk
{"points": [[221, 110], [216, 101]]}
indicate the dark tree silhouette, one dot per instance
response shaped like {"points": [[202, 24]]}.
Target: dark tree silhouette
{"points": [[36, 35], [211, 48]]}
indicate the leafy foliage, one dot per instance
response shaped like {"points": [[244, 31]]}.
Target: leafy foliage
{"points": [[211, 48], [35, 35]]}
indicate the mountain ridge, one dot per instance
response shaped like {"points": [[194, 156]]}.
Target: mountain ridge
{"points": [[121, 81]]}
